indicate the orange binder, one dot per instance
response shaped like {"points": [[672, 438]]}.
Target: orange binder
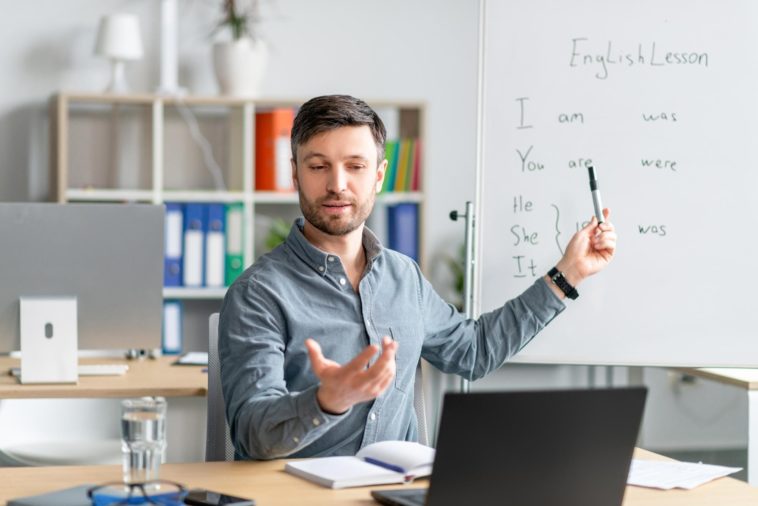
{"points": [[272, 150]]}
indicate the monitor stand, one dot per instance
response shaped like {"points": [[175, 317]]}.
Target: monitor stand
{"points": [[49, 334]]}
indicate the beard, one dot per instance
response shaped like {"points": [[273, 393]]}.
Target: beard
{"points": [[337, 225]]}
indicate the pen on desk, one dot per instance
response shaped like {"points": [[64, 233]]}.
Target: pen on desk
{"points": [[386, 465], [595, 195]]}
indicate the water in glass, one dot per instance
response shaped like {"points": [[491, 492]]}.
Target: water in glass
{"points": [[143, 438]]}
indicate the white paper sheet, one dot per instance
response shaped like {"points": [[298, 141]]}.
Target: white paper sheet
{"points": [[667, 475], [194, 358]]}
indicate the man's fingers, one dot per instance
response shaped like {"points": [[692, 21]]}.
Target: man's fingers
{"points": [[389, 347], [316, 356], [314, 349], [607, 235], [591, 224], [385, 365], [606, 241], [380, 385], [359, 363], [378, 378]]}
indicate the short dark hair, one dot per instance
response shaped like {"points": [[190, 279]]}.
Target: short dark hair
{"points": [[328, 112]]}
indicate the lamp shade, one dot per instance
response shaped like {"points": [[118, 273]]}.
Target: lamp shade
{"points": [[119, 37]]}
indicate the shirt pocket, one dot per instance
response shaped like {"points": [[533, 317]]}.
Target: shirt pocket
{"points": [[407, 356]]}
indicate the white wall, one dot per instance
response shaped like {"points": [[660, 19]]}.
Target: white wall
{"points": [[378, 49], [419, 50]]}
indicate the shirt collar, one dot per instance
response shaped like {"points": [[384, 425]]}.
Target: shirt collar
{"points": [[319, 259]]}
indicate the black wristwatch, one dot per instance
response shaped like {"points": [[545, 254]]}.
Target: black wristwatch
{"points": [[559, 279]]}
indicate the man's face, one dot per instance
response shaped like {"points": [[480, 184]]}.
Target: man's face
{"points": [[337, 177]]}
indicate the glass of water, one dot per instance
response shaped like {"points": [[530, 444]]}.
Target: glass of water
{"points": [[143, 438]]}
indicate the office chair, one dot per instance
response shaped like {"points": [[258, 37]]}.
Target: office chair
{"points": [[218, 442], [419, 405]]}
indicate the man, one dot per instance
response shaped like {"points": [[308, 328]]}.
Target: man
{"points": [[319, 339]]}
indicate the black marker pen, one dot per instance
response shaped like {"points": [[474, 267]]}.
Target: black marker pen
{"points": [[595, 195]]}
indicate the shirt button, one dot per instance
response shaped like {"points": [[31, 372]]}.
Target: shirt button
{"points": [[316, 422], [372, 416], [343, 281], [296, 439], [331, 259], [321, 268]]}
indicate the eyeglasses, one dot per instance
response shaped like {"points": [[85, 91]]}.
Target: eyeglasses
{"points": [[163, 492]]}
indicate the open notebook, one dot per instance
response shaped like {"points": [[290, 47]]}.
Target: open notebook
{"points": [[376, 464]]}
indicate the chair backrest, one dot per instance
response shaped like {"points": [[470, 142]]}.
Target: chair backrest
{"points": [[218, 443], [420, 406]]}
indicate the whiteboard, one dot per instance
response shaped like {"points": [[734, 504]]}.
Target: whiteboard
{"points": [[662, 97]]}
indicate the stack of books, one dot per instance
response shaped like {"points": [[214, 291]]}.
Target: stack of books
{"points": [[403, 166]]}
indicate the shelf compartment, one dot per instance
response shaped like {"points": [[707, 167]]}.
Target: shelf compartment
{"points": [[202, 145], [203, 196], [107, 146], [101, 195], [193, 293]]}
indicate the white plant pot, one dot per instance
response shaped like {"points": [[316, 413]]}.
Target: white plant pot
{"points": [[240, 66]]}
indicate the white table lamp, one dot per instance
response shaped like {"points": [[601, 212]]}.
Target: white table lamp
{"points": [[118, 39]]}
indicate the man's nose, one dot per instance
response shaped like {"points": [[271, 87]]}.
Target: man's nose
{"points": [[337, 182]]}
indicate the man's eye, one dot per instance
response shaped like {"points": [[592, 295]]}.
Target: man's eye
{"points": [[357, 167], [318, 167]]}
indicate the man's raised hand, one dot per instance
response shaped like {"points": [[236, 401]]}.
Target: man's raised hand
{"points": [[342, 386]]}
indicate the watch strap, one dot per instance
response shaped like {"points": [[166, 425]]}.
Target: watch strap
{"points": [[560, 281]]}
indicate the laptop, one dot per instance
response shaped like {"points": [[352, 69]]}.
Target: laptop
{"points": [[531, 448]]}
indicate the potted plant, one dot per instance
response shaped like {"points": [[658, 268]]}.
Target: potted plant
{"points": [[239, 62]]}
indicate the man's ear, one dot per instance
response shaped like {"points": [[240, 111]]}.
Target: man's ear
{"points": [[294, 174], [380, 173]]}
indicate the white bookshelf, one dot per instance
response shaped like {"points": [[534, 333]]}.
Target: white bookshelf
{"points": [[171, 292], [124, 148]]}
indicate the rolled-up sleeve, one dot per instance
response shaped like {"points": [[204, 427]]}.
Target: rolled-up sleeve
{"points": [[266, 420]]}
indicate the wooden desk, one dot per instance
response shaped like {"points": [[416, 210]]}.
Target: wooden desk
{"points": [[268, 484], [144, 377], [184, 386], [748, 380]]}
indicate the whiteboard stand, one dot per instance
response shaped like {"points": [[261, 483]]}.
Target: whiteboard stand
{"points": [[468, 266]]}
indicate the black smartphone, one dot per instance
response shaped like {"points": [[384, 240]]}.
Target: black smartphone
{"points": [[201, 497]]}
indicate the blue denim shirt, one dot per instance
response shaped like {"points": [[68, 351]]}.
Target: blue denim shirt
{"points": [[298, 291]]}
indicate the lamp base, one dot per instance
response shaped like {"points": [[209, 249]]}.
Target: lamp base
{"points": [[173, 92], [117, 83]]}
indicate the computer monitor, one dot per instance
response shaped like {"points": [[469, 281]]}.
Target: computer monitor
{"points": [[108, 256]]}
